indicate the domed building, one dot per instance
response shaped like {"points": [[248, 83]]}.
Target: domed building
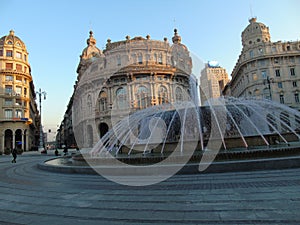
{"points": [[266, 69], [19, 119], [127, 76]]}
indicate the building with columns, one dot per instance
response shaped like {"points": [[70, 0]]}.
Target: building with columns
{"points": [[127, 76], [266, 69], [212, 81], [19, 117]]}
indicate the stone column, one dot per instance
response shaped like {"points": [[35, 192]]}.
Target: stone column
{"points": [[14, 139], [3, 142], [23, 134], [27, 141]]}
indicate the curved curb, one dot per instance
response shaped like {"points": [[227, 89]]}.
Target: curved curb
{"points": [[191, 168]]}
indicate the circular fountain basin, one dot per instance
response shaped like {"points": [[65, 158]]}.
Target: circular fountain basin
{"points": [[282, 157]]}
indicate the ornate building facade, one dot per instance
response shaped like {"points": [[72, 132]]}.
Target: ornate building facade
{"points": [[19, 117], [212, 81], [127, 76], [266, 69]]}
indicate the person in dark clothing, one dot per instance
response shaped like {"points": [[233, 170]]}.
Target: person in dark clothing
{"points": [[14, 154], [65, 150]]}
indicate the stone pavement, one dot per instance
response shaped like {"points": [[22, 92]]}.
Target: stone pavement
{"points": [[32, 196]]}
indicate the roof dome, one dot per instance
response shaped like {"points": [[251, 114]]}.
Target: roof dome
{"points": [[91, 50], [255, 33], [11, 39]]}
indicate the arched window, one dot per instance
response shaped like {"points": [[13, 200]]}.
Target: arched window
{"points": [[178, 94], [118, 60], [102, 101], [140, 58], [89, 104], [121, 98], [256, 93], [155, 58], [143, 97], [162, 95]]}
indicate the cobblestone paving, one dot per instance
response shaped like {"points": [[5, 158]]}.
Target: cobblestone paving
{"points": [[32, 196]]}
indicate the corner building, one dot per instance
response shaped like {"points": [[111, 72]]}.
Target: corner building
{"points": [[19, 117], [212, 81], [127, 76], [266, 69]]}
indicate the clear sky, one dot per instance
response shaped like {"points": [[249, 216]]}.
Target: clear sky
{"points": [[55, 33]]}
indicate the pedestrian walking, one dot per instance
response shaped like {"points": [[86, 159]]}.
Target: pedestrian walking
{"points": [[14, 154]]}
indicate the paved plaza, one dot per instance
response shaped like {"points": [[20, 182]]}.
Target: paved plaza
{"points": [[29, 195]]}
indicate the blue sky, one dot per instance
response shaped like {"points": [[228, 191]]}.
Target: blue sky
{"points": [[55, 33]]}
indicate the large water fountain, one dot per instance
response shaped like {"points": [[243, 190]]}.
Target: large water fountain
{"points": [[160, 141]]}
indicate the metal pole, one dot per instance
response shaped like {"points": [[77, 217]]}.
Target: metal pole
{"points": [[41, 142], [269, 83]]}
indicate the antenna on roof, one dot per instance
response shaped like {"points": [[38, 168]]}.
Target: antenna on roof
{"points": [[251, 13], [90, 24]]}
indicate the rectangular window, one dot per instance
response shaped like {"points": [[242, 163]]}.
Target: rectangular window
{"points": [[18, 113], [264, 74], [25, 57], [9, 53], [281, 98], [279, 85], [8, 102], [297, 98], [19, 68], [18, 78], [277, 72], [25, 69], [262, 62], [19, 55], [18, 90], [119, 61], [9, 66], [140, 59], [18, 102], [8, 113], [292, 60], [1, 52], [8, 89], [8, 78], [160, 59], [25, 91], [294, 83], [276, 60], [292, 71]]}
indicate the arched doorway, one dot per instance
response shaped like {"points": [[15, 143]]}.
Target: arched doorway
{"points": [[8, 139], [103, 129], [89, 136], [18, 139]]}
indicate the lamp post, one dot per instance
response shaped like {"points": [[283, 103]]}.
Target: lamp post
{"points": [[41, 93], [269, 80]]}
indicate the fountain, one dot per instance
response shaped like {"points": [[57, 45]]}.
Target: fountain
{"points": [[160, 141]]}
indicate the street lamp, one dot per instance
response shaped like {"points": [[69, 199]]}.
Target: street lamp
{"points": [[41, 93], [269, 80]]}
